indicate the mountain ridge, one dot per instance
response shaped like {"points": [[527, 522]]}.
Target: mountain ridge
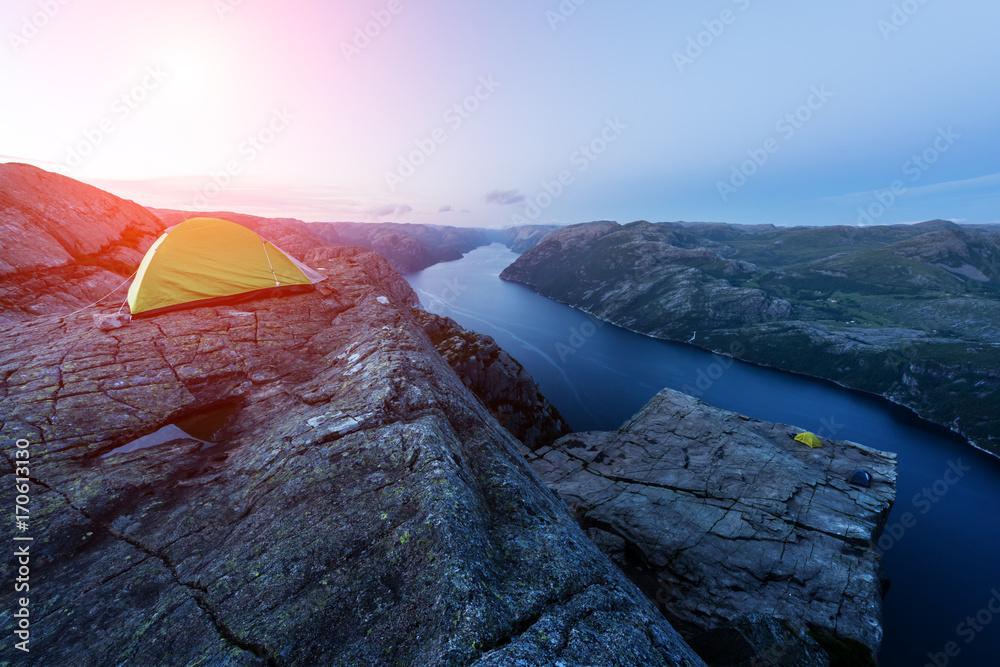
{"points": [[901, 311]]}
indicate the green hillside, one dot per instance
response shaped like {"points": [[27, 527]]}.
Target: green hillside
{"points": [[911, 312]]}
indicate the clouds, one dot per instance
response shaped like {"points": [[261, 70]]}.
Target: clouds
{"points": [[382, 211], [990, 181], [397, 210], [503, 197], [686, 129]]}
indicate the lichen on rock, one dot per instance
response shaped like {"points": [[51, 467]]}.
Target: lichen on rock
{"points": [[359, 506], [717, 516]]}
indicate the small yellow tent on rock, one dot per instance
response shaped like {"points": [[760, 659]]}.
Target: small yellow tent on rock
{"points": [[810, 439], [205, 260]]}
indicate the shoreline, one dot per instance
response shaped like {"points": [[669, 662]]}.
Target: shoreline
{"points": [[953, 432]]}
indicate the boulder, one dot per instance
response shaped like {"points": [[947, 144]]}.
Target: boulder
{"points": [[717, 516]]}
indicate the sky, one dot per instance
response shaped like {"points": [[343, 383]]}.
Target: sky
{"points": [[495, 113]]}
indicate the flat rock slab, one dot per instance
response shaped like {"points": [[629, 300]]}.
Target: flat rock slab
{"points": [[717, 516], [360, 506]]}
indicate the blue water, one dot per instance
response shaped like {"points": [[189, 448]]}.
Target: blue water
{"points": [[944, 561]]}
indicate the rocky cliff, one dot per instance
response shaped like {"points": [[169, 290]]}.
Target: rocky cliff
{"points": [[910, 312], [506, 389], [359, 505], [348, 499], [717, 516], [334, 483], [64, 244]]}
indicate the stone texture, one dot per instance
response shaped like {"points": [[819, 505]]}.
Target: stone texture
{"points": [[717, 516], [756, 640], [48, 220], [64, 244], [500, 382], [360, 507]]}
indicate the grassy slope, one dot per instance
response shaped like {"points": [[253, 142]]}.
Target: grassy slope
{"points": [[892, 310], [890, 280]]}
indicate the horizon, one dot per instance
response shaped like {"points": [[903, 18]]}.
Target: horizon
{"points": [[495, 116], [567, 224], [649, 334], [279, 216]]}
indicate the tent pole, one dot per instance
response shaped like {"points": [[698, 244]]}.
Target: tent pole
{"points": [[263, 244]]}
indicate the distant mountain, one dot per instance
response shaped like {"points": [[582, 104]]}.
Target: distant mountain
{"points": [[408, 247], [672, 280], [911, 312], [988, 228], [353, 491], [521, 239], [65, 244], [293, 236]]}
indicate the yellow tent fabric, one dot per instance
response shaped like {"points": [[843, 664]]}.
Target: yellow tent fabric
{"points": [[809, 439], [205, 259]]}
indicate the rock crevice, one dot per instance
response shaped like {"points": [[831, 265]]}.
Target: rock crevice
{"points": [[359, 505], [715, 516]]}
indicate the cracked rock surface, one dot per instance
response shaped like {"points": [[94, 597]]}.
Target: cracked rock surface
{"points": [[360, 505], [717, 516], [504, 386], [63, 243]]}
